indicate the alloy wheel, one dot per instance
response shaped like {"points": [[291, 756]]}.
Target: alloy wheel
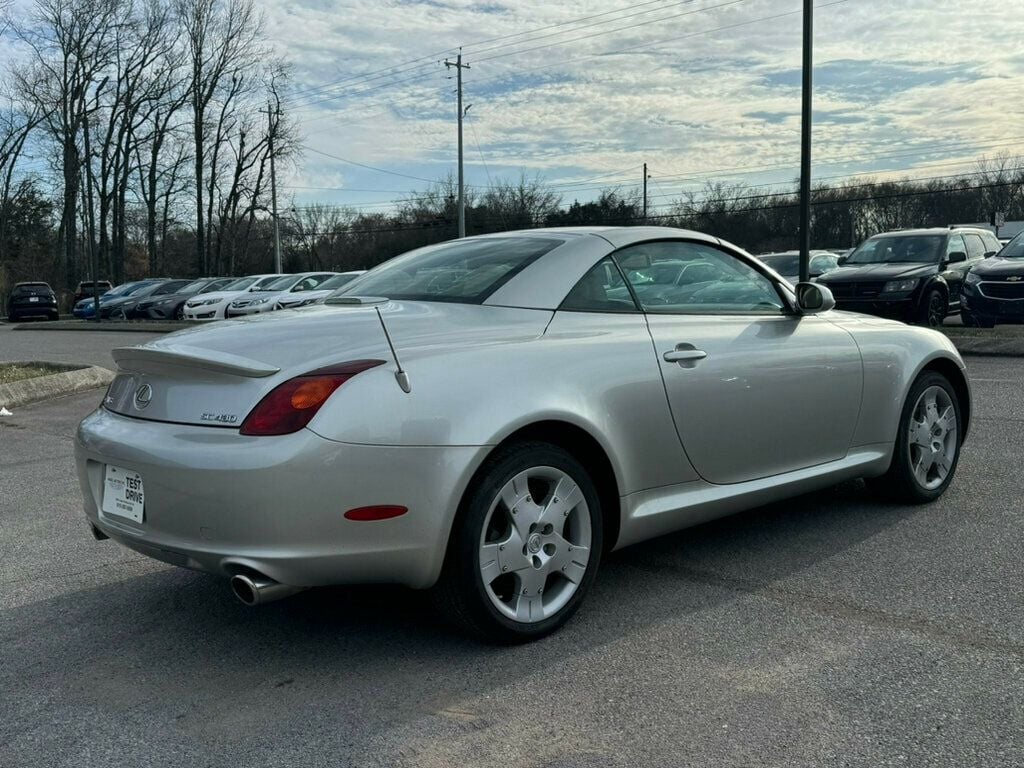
{"points": [[936, 310], [535, 544], [932, 437]]}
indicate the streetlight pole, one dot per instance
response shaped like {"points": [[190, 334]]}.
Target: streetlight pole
{"points": [[805, 145]]}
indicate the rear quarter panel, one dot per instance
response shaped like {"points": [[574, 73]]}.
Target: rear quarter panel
{"points": [[595, 371]]}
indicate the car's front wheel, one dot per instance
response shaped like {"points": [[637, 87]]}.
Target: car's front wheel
{"points": [[525, 547], [927, 447], [933, 309]]}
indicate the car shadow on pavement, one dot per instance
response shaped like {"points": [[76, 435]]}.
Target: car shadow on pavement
{"points": [[176, 646]]}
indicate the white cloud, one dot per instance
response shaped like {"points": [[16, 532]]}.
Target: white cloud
{"points": [[685, 98]]}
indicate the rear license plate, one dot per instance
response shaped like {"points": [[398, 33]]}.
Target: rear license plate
{"points": [[123, 494], [33, 298]]}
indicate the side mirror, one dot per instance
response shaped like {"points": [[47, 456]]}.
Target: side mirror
{"points": [[956, 257], [813, 298], [989, 254], [841, 260]]}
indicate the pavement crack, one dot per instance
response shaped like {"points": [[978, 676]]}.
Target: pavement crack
{"points": [[837, 607]]}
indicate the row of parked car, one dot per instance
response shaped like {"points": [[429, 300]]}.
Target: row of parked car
{"points": [[923, 276], [919, 275], [208, 298]]}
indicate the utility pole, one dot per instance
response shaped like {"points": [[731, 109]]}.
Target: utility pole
{"points": [[805, 145], [645, 193], [459, 66], [272, 117]]}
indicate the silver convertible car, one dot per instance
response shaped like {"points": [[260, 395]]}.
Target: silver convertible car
{"points": [[486, 417]]}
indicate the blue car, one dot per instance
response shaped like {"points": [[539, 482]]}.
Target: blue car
{"points": [[86, 308]]}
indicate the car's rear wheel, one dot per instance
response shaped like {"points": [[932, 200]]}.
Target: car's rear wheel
{"points": [[972, 320], [927, 446], [179, 313], [933, 308], [525, 547]]}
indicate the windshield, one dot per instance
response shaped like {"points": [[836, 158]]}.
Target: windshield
{"points": [[899, 249], [266, 282], [281, 284], [783, 263], [336, 282], [466, 271], [238, 285], [1014, 249], [218, 285], [192, 287]]}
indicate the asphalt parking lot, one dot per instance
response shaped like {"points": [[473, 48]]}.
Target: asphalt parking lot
{"points": [[830, 630]]}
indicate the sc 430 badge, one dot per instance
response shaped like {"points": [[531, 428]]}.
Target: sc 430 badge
{"points": [[222, 418]]}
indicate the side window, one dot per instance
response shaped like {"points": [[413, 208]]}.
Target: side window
{"points": [[602, 289], [992, 244], [975, 248], [679, 277], [955, 245]]}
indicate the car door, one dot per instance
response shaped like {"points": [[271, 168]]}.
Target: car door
{"points": [[955, 266], [755, 390]]}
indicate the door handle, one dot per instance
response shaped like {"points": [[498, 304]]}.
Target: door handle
{"points": [[684, 354]]}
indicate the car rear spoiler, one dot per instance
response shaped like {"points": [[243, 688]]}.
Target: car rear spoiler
{"points": [[138, 358]]}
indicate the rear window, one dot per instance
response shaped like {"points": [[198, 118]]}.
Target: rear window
{"points": [[465, 271], [31, 289]]}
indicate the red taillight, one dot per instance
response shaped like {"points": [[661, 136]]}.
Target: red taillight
{"points": [[292, 405]]}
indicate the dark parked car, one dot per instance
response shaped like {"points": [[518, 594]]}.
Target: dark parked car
{"points": [[915, 275], [994, 289], [162, 305], [787, 263], [31, 300], [85, 289], [128, 307]]}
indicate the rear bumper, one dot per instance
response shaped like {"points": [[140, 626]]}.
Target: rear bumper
{"points": [[278, 506]]}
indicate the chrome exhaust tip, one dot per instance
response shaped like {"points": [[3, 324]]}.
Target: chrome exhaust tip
{"points": [[257, 590]]}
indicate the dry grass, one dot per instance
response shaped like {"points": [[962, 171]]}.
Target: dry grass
{"points": [[11, 372]]}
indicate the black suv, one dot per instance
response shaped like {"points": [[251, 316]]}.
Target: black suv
{"points": [[31, 300], [915, 275], [994, 289]]}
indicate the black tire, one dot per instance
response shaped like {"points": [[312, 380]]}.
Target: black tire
{"points": [[179, 313], [899, 483], [933, 308], [461, 593]]}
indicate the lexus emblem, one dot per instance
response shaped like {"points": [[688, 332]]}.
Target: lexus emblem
{"points": [[143, 396]]}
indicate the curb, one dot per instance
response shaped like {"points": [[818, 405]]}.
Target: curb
{"points": [[155, 326], [74, 379]]}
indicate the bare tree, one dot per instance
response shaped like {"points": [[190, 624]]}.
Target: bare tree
{"points": [[71, 43], [16, 124], [224, 47]]}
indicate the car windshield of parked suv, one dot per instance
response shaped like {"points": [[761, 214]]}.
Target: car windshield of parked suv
{"points": [[466, 271], [1014, 249], [899, 249], [218, 285]]}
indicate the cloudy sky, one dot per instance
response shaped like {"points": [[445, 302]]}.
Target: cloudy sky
{"points": [[584, 92]]}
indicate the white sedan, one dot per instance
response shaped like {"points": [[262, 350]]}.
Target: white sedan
{"points": [[266, 298], [211, 306], [325, 289]]}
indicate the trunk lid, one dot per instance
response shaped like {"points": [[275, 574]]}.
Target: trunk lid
{"points": [[214, 375]]}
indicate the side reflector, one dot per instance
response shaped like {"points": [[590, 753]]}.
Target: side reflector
{"points": [[380, 512]]}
